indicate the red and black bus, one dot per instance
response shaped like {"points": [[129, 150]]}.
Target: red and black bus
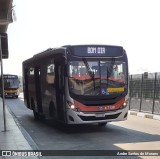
{"points": [[78, 84]]}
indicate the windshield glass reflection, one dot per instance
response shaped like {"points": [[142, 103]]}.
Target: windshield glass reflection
{"points": [[97, 77]]}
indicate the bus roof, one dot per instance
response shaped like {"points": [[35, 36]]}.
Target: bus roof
{"points": [[83, 51]]}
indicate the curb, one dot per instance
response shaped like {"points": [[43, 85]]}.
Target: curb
{"points": [[145, 115]]}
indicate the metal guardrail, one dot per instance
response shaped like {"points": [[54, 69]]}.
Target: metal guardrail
{"points": [[144, 92]]}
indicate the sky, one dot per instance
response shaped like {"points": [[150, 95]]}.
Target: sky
{"points": [[43, 24]]}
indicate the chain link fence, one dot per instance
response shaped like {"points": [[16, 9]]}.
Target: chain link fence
{"points": [[144, 92]]}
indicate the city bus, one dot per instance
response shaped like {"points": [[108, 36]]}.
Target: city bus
{"points": [[11, 86], [78, 84]]}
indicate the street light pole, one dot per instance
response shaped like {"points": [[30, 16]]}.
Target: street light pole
{"points": [[2, 83]]}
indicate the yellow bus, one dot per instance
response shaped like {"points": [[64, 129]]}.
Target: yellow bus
{"points": [[11, 85]]}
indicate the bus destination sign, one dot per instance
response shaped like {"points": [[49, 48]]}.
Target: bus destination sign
{"points": [[10, 76], [97, 51]]}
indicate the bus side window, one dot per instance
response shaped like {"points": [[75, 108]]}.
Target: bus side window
{"points": [[50, 74], [31, 71], [31, 74]]}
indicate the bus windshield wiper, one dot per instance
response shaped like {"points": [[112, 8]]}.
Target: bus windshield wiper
{"points": [[110, 70], [90, 72]]}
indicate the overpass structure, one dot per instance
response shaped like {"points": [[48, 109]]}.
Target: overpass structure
{"points": [[6, 14], [6, 17]]}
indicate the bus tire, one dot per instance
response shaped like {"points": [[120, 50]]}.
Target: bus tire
{"points": [[102, 124], [36, 115]]}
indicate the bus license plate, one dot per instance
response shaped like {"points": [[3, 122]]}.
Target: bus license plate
{"points": [[100, 115]]}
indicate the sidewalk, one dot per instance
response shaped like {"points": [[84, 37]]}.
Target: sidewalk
{"points": [[13, 138], [145, 115]]}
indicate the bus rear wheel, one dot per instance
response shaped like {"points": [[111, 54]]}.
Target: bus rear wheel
{"points": [[36, 115]]}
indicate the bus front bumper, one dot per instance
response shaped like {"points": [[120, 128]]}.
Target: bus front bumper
{"points": [[96, 117], [11, 93]]}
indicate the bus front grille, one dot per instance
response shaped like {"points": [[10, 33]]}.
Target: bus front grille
{"points": [[91, 118]]}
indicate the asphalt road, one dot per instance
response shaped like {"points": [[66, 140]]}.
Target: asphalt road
{"points": [[136, 133]]}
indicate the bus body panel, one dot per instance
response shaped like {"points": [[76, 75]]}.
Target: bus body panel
{"points": [[40, 94]]}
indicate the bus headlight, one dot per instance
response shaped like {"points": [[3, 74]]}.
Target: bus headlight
{"points": [[72, 106], [124, 104]]}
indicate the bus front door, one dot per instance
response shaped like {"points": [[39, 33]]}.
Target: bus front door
{"points": [[38, 89], [59, 84], [26, 91]]}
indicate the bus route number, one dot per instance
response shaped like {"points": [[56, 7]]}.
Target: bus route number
{"points": [[96, 50]]}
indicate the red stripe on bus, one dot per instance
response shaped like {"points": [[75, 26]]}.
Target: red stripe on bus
{"points": [[103, 108]]}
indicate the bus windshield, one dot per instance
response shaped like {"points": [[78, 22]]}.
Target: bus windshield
{"points": [[11, 83], [97, 77]]}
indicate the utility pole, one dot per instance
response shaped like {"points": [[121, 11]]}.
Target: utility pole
{"points": [[2, 84]]}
